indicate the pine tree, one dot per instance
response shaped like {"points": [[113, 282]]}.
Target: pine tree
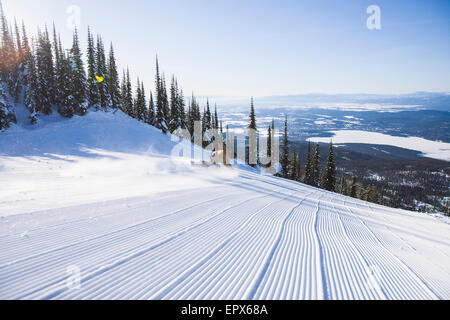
{"points": [[17, 70], [353, 187], [329, 182], [113, 81], [46, 74], [104, 98], [252, 124], [174, 108], [181, 109], [284, 161], [299, 169], [161, 121], [372, 194], [293, 167], [7, 114], [140, 108], [343, 185], [316, 166], [309, 178], [206, 125], [93, 96], [151, 111], [396, 200], [127, 94], [216, 118], [79, 77], [64, 81], [31, 93]]}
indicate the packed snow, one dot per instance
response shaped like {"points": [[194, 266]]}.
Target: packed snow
{"points": [[428, 148], [100, 208]]}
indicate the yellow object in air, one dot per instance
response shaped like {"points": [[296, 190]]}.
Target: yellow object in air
{"points": [[99, 79]]}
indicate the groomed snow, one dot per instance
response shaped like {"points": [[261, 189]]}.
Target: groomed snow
{"points": [[428, 148], [140, 225]]}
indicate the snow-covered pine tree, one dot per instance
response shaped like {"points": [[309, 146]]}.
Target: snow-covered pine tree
{"points": [[151, 111], [181, 109], [7, 114], [113, 81], [329, 181], [137, 99], [127, 94], [206, 125], [284, 161], [31, 93], [140, 107], [104, 98], [79, 77], [216, 118], [161, 114], [92, 94], [174, 110], [17, 70], [46, 73], [63, 81], [252, 136], [143, 104]]}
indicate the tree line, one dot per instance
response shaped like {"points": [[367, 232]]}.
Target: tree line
{"points": [[44, 76]]}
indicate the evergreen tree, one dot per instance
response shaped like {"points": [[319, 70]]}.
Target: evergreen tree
{"points": [[7, 51], [329, 182], [93, 96], [216, 118], [206, 125], [372, 194], [79, 77], [309, 178], [343, 185], [127, 94], [316, 166], [7, 114], [31, 93], [151, 111], [140, 108], [396, 200], [293, 167], [46, 74], [252, 124], [353, 187], [113, 81], [64, 81], [174, 108], [284, 161], [104, 98], [161, 121], [299, 169], [181, 109]]}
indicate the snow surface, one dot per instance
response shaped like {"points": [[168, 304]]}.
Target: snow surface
{"points": [[101, 195], [431, 149]]}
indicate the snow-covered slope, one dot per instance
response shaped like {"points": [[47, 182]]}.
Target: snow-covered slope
{"points": [[101, 195]]}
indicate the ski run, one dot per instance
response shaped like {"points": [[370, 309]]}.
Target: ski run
{"points": [[95, 208]]}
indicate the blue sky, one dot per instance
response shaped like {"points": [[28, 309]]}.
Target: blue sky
{"points": [[263, 48]]}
